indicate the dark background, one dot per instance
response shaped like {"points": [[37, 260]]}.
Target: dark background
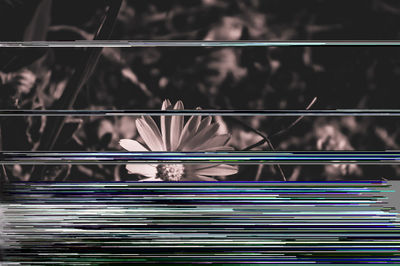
{"points": [[223, 78], [218, 19]]}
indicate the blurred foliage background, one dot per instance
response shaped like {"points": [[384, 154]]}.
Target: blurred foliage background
{"points": [[222, 78]]}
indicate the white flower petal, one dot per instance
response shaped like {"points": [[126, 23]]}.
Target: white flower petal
{"points": [[217, 141], [151, 179], [176, 126], [150, 133], [189, 130], [194, 167], [166, 103], [165, 126], [199, 178], [131, 145], [218, 170], [148, 170], [204, 123], [201, 137], [220, 148]]}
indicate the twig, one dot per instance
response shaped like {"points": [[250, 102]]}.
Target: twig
{"points": [[252, 146], [265, 138], [294, 122], [277, 165], [247, 126]]}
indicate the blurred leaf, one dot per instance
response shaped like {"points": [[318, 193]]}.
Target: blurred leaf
{"points": [[13, 59], [126, 127], [67, 132], [388, 139], [105, 140], [68, 32], [221, 64], [34, 130], [126, 14], [330, 138], [128, 73], [37, 28], [84, 69], [105, 133], [111, 53], [57, 172], [22, 80], [228, 29]]}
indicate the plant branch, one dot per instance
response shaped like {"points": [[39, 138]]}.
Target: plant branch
{"points": [[265, 139], [276, 165], [246, 126], [252, 146], [294, 122]]}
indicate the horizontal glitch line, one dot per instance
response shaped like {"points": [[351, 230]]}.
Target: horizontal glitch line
{"points": [[329, 157], [183, 43], [112, 222], [338, 112]]}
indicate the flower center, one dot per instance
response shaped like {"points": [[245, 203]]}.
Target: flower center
{"points": [[170, 172]]}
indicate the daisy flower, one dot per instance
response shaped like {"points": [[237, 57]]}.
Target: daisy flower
{"points": [[196, 135]]}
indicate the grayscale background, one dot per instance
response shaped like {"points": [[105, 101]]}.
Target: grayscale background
{"points": [[245, 78]]}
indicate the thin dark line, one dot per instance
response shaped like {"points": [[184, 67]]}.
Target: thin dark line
{"points": [[199, 43], [249, 157], [339, 112]]}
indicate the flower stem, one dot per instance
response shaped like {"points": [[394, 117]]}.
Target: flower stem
{"points": [[276, 165], [294, 122], [265, 139]]}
